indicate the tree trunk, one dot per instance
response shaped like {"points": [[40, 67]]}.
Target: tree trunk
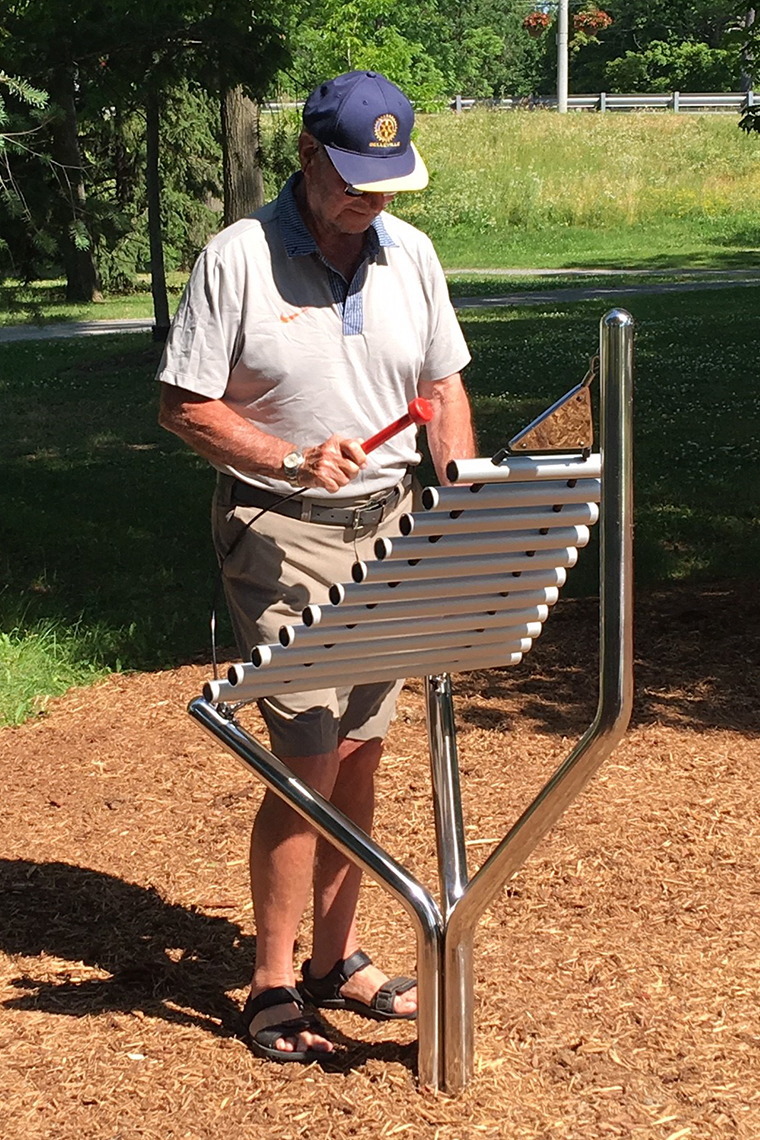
{"points": [[82, 282], [157, 271], [748, 61], [243, 180]]}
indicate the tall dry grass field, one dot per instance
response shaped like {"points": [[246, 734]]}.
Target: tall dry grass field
{"points": [[522, 188]]}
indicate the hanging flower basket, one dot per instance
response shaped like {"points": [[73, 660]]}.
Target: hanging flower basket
{"points": [[591, 21], [536, 23]]}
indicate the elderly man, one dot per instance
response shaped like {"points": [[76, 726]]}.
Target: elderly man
{"points": [[303, 330]]}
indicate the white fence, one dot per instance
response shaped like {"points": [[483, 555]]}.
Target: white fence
{"points": [[732, 102]]}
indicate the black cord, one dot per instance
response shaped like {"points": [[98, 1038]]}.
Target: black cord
{"points": [[218, 575]]}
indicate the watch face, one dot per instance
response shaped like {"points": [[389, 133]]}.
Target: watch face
{"points": [[292, 464]]}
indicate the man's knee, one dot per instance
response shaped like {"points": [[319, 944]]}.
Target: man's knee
{"points": [[360, 757]]}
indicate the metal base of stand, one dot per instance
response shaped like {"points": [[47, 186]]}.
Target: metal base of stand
{"points": [[445, 934]]}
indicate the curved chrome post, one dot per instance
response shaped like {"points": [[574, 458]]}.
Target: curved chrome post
{"points": [[358, 846], [615, 695], [447, 799]]}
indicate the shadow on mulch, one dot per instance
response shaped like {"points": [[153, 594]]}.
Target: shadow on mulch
{"points": [[696, 651], [159, 955]]}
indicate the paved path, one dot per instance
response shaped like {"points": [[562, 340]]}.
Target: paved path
{"points": [[610, 294]]}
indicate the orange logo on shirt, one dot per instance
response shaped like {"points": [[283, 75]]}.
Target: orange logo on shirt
{"points": [[287, 317]]}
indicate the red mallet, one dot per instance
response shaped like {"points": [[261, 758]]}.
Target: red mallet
{"points": [[419, 412]]}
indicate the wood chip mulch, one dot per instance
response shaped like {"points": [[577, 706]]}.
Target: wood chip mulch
{"points": [[617, 975]]}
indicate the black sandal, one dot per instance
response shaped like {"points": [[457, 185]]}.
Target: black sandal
{"points": [[325, 992], [262, 1043]]}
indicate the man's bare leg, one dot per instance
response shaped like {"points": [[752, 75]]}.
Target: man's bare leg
{"points": [[282, 871], [337, 879]]}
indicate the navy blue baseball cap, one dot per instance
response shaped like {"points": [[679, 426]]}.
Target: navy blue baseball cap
{"points": [[365, 124]]}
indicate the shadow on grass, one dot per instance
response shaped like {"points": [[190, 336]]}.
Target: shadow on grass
{"points": [[158, 955], [106, 517], [741, 252]]}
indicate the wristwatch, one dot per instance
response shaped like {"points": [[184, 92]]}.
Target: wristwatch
{"points": [[291, 465]]}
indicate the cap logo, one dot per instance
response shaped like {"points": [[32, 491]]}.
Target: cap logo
{"points": [[386, 129]]}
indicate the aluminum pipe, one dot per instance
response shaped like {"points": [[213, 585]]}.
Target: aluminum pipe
{"points": [[456, 546], [347, 616], [455, 659], [519, 581], [380, 630], [443, 568], [485, 496], [523, 467], [271, 657], [432, 524]]}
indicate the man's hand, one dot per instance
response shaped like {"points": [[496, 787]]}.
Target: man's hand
{"points": [[332, 464]]}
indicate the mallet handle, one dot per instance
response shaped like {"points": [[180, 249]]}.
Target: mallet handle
{"points": [[419, 411]]}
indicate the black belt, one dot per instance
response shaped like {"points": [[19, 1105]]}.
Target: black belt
{"points": [[364, 512]]}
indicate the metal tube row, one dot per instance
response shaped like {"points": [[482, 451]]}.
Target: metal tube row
{"points": [[472, 545], [519, 581], [441, 568], [381, 636], [522, 468], [434, 523], [363, 671], [278, 657], [348, 617], [485, 496]]}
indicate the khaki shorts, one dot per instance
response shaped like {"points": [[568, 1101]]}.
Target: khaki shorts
{"points": [[279, 566]]}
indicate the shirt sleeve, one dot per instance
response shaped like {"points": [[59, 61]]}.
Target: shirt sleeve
{"points": [[200, 349], [447, 350]]}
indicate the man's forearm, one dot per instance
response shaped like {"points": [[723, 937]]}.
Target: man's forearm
{"points": [[220, 435], [450, 433], [226, 439]]}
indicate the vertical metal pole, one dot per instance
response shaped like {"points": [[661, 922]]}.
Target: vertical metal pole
{"points": [[447, 799], [615, 694], [616, 518], [563, 21], [457, 989]]}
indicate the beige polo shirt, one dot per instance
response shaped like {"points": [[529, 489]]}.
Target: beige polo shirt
{"points": [[270, 328]]}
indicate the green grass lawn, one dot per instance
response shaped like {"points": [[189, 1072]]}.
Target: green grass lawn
{"points": [[544, 190], [105, 559], [535, 189]]}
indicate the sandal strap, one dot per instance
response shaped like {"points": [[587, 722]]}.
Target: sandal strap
{"points": [[383, 999], [330, 985], [355, 962], [277, 995], [270, 1034]]}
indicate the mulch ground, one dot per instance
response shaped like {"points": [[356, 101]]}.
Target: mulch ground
{"points": [[617, 976]]}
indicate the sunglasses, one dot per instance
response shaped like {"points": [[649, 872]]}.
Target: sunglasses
{"points": [[352, 192]]}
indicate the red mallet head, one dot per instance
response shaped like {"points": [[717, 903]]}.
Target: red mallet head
{"points": [[419, 411]]}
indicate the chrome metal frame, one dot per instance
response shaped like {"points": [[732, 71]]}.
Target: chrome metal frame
{"points": [[445, 940]]}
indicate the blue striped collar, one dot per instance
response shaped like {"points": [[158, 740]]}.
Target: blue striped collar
{"points": [[298, 240]]}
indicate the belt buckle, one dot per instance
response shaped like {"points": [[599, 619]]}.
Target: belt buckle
{"points": [[374, 517]]}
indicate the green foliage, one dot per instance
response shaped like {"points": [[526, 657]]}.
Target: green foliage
{"points": [[672, 66], [639, 23], [18, 129], [338, 36]]}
